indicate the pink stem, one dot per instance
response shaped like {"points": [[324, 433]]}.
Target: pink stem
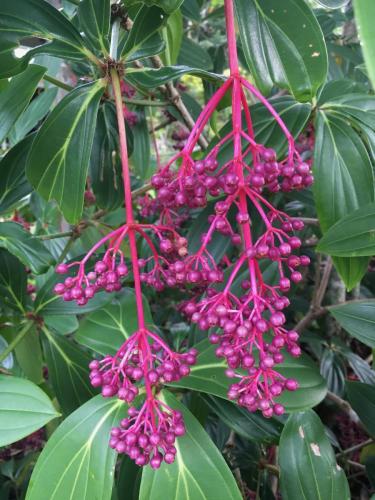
{"points": [[231, 38]]}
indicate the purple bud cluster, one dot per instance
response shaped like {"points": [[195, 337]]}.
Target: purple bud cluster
{"points": [[107, 275], [148, 435], [119, 375], [195, 181]]}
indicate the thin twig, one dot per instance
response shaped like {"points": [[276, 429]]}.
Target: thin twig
{"points": [[355, 448], [174, 96]]}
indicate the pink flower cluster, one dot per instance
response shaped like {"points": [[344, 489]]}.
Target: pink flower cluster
{"points": [[243, 312]]}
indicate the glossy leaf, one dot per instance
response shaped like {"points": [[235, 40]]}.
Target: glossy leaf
{"points": [[332, 369], [68, 370], [364, 14], [208, 376], [193, 54], [352, 235], [35, 18], [32, 115], [199, 472], [59, 158], [29, 250], [106, 329], [358, 319], [24, 408], [13, 281], [283, 45], [172, 35], [362, 398], [150, 77], [13, 183], [77, 458], [343, 184], [17, 95], [105, 169], [307, 461], [140, 158], [146, 23], [94, 18], [29, 356], [168, 6], [332, 4], [252, 426]]}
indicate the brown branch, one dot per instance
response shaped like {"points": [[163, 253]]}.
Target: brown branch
{"points": [[316, 310], [355, 448], [174, 97]]}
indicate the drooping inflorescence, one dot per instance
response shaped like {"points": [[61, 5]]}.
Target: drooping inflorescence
{"points": [[242, 311]]}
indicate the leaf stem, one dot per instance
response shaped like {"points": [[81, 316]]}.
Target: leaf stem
{"points": [[16, 341], [54, 235], [58, 83]]}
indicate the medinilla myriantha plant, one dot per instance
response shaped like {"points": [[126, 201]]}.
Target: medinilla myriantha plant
{"points": [[187, 202]]}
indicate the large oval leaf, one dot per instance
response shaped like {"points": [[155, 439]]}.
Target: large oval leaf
{"points": [[358, 319], [59, 157], [365, 13], [94, 18], [362, 398], [208, 376], [199, 472], [13, 281], [43, 22], [106, 329], [308, 465], [283, 45], [77, 459], [24, 408], [13, 183], [252, 426], [68, 371], [29, 250], [342, 184], [16, 96], [351, 236]]}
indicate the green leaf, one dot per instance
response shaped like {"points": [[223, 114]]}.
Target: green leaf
{"points": [[105, 168], [358, 319], [343, 184], [283, 45], [94, 18], [252, 426], [140, 158], [77, 459], [43, 22], [172, 35], [62, 324], [352, 235], [193, 54], [168, 6], [307, 461], [199, 472], [68, 370], [24, 408], [13, 281], [362, 398], [208, 376], [146, 23], [332, 4], [59, 158], [29, 356], [151, 78], [17, 95], [29, 250], [32, 115], [364, 14], [105, 330], [13, 183]]}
